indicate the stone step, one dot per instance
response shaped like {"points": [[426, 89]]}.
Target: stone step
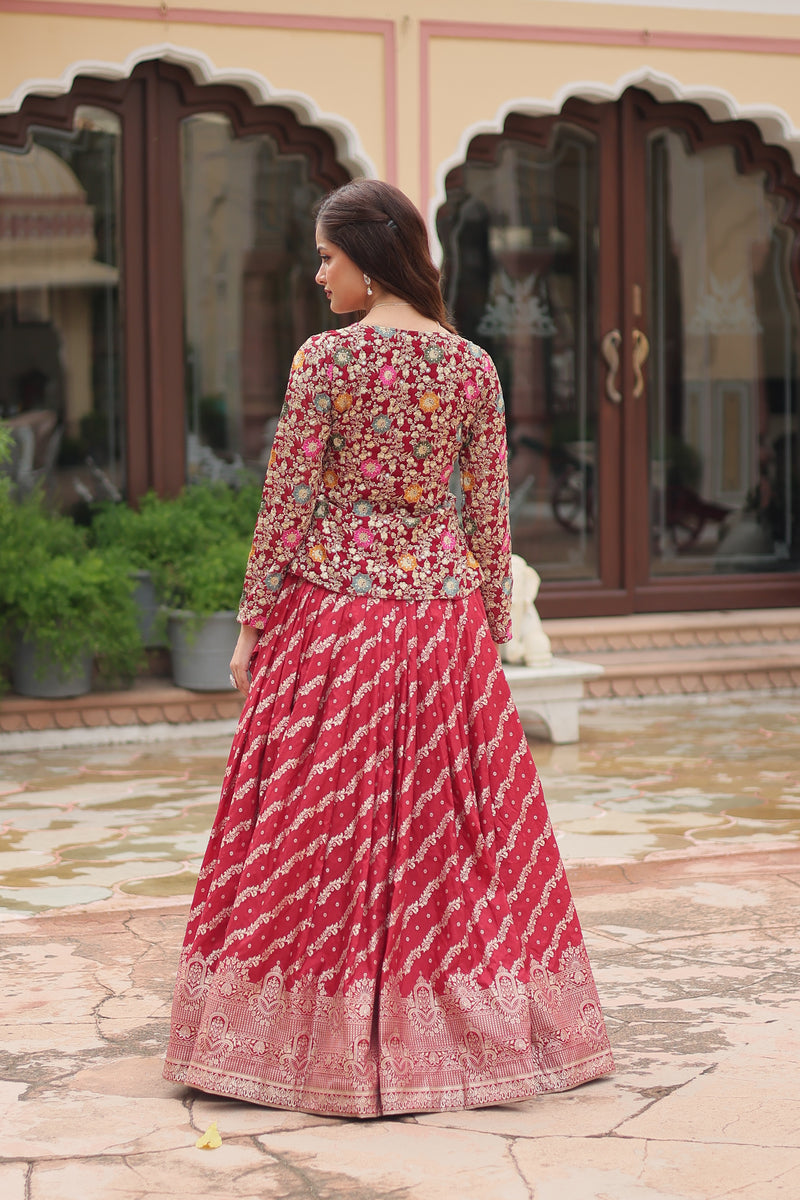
{"points": [[684, 653]]}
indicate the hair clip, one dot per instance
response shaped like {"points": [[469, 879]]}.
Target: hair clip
{"points": [[391, 224]]}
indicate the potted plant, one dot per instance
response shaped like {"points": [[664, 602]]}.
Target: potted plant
{"points": [[69, 613], [165, 531], [64, 605], [202, 592], [195, 547], [146, 537]]}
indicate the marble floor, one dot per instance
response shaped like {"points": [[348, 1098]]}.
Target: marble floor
{"points": [[679, 823]]}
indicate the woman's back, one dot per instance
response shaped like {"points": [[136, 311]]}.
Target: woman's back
{"points": [[403, 402], [357, 496]]}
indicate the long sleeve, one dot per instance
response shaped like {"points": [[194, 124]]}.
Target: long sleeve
{"points": [[483, 459], [292, 482]]}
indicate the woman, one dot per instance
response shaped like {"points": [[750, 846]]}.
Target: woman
{"points": [[382, 923]]}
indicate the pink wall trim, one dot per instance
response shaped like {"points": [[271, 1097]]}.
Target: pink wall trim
{"points": [[569, 35], [167, 15], [587, 36]]}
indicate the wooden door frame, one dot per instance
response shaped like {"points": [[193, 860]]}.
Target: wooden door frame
{"points": [[624, 584], [150, 105]]}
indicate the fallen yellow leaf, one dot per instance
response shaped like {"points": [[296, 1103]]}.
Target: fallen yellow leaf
{"points": [[209, 1140]]}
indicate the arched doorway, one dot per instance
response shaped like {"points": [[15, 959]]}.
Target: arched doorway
{"points": [[633, 267], [156, 274]]}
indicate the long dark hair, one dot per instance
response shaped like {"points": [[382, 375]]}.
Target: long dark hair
{"points": [[378, 227]]}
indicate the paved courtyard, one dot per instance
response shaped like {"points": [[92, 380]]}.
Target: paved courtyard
{"points": [[679, 824]]}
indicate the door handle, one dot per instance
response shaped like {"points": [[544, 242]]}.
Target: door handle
{"points": [[609, 348], [641, 349]]}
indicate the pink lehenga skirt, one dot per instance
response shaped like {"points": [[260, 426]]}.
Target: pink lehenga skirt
{"points": [[382, 923]]}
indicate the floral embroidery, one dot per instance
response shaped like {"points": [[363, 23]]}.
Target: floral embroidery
{"points": [[371, 468], [361, 584], [343, 505], [429, 402], [363, 538]]}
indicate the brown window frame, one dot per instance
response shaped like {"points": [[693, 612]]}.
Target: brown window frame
{"points": [[150, 104]]}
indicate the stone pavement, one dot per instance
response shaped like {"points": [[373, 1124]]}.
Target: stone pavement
{"points": [[679, 825]]}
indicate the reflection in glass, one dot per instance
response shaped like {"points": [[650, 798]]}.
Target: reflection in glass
{"points": [[250, 296], [723, 390], [520, 254], [59, 323]]}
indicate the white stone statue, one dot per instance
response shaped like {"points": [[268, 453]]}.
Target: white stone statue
{"points": [[529, 643]]}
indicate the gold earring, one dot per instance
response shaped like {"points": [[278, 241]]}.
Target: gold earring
{"points": [[368, 282]]}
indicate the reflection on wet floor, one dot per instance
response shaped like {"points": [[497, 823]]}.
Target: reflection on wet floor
{"points": [[82, 826], [677, 778]]}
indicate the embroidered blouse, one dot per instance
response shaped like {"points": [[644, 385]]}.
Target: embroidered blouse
{"points": [[356, 495]]}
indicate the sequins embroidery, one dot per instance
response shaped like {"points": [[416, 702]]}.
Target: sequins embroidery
{"points": [[356, 495]]}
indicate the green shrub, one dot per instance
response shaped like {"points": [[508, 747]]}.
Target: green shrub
{"points": [[195, 544], [57, 591], [71, 607], [209, 581]]}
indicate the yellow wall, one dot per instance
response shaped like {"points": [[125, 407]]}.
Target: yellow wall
{"points": [[471, 79], [341, 72]]}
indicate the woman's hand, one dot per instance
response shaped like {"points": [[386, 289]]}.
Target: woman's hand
{"points": [[243, 652]]}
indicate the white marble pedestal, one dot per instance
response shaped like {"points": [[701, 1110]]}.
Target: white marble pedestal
{"points": [[551, 695]]}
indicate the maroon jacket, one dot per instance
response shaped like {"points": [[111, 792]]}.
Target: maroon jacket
{"points": [[356, 496]]}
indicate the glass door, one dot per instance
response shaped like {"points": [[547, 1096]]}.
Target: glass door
{"points": [[527, 241], [717, 409], [633, 268], [249, 295], [722, 402]]}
